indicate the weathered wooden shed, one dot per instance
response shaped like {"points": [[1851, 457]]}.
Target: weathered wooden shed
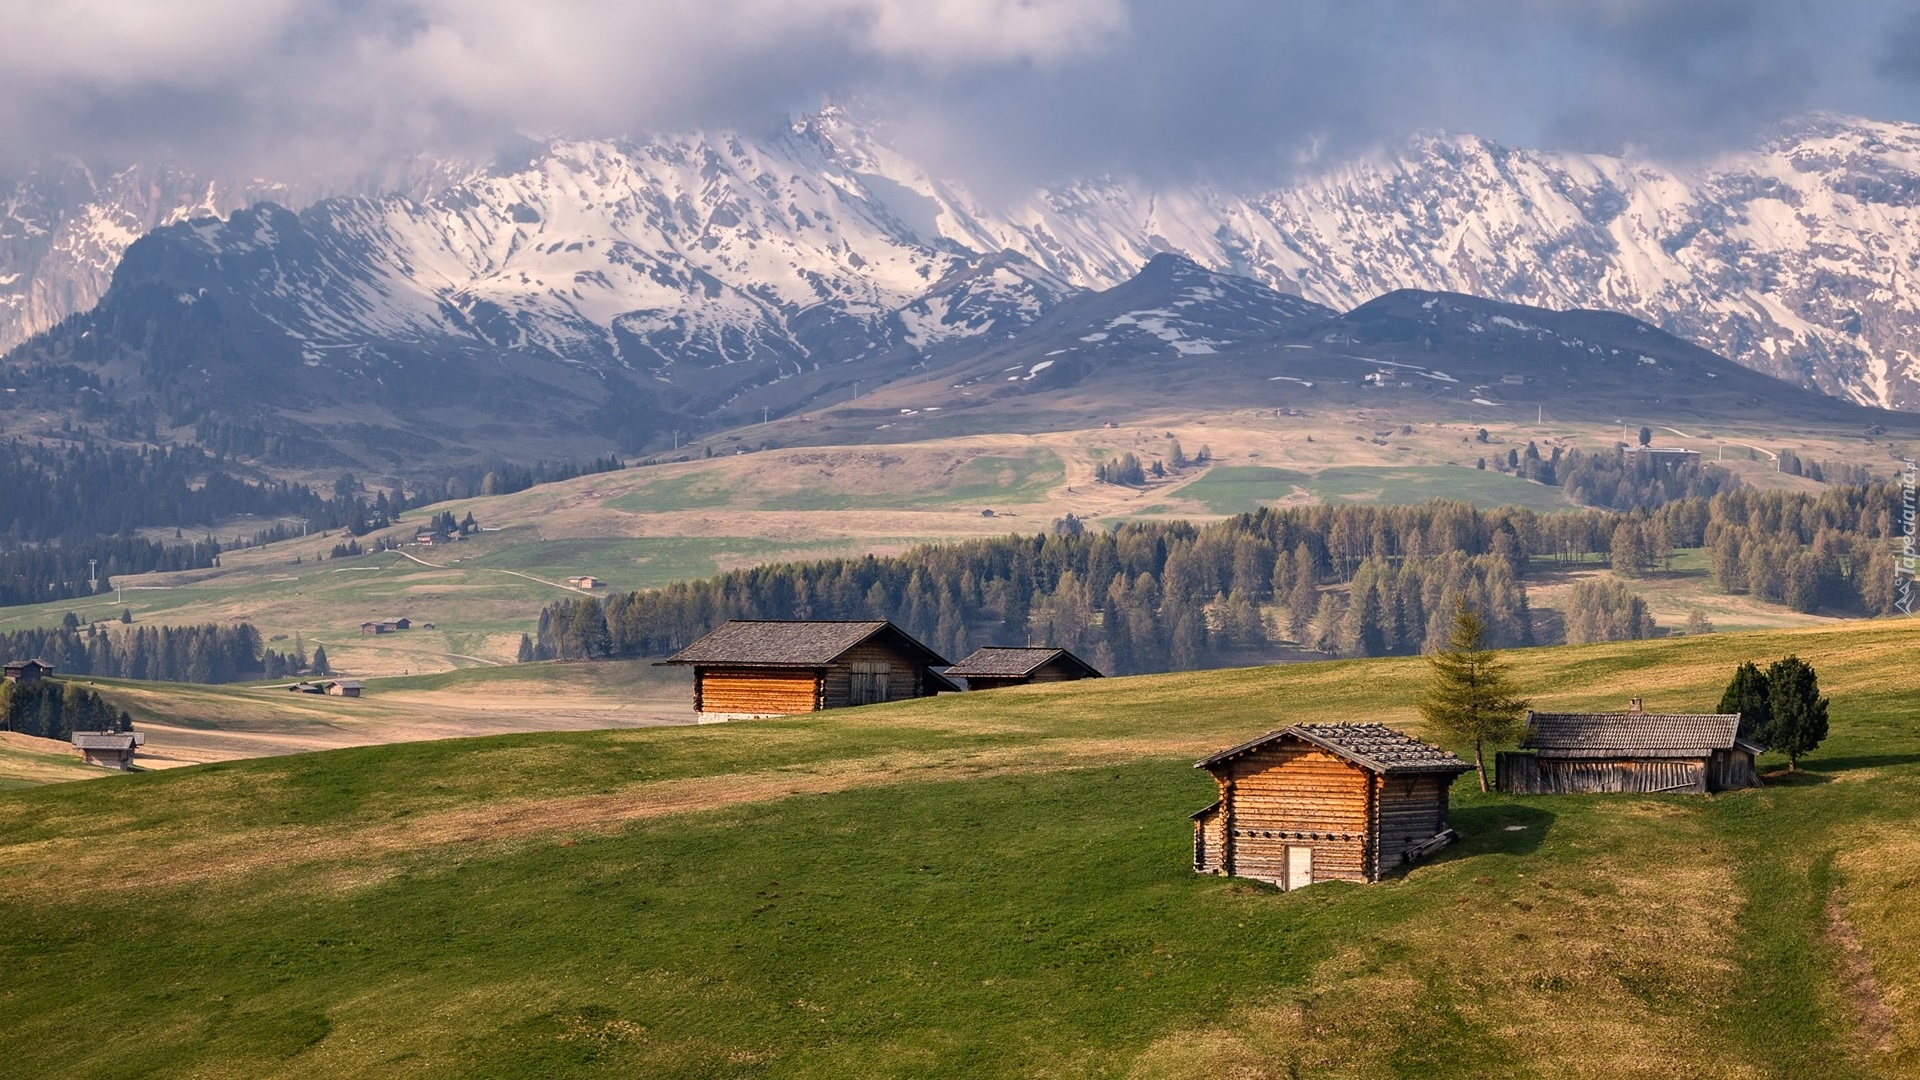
{"points": [[344, 688], [27, 672], [112, 749], [752, 668], [1322, 802], [1579, 753], [1006, 665]]}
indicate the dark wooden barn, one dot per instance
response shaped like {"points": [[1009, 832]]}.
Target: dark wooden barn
{"points": [[750, 668], [1005, 665], [1578, 753], [1323, 802], [27, 672]]}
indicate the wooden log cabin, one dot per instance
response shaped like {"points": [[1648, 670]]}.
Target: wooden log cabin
{"points": [[1002, 665], [1324, 802], [750, 668], [1632, 751]]}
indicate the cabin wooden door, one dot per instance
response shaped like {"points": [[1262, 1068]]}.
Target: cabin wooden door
{"points": [[1299, 867], [869, 683]]}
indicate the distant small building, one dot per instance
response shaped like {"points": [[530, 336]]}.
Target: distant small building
{"points": [[401, 623], [369, 629], [344, 688], [1322, 802], [752, 668], [584, 581], [1513, 380], [384, 626], [1635, 751], [1666, 453], [428, 539], [1002, 665], [26, 672], [1385, 379], [306, 688], [112, 749]]}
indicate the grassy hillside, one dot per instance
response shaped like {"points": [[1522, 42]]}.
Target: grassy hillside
{"points": [[982, 885]]}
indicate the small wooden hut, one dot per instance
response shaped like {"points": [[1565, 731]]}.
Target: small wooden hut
{"points": [[1003, 665], [1638, 751], [112, 749], [27, 672], [1321, 802], [752, 668]]}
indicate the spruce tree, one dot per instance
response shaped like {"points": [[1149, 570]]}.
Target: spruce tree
{"points": [[1749, 695], [1799, 720], [1470, 695], [320, 665]]}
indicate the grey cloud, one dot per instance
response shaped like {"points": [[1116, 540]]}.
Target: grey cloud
{"points": [[1004, 91]]}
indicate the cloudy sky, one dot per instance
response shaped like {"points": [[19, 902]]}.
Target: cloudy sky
{"points": [[1018, 89]]}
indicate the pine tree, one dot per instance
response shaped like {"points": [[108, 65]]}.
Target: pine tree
{"points": [[320, 665], [1470, 695], [525, 655]]}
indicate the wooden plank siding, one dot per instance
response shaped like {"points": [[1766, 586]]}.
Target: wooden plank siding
{"points": [[1525, 774], [755, 691], [1408, 812], [902, 674]]}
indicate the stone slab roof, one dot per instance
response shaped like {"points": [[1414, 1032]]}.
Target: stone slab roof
{"points": [[1630, 734], [791, 643], [1013, 661], [1374, 747]]}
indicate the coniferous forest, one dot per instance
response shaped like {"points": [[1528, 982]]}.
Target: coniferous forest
{"points": [[55, 709], [210, 653], [1348, 580]]}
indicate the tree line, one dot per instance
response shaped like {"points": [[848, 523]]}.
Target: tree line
{"points": [[208, 653], [1348, 580], [1144, 597], [55, 709]]}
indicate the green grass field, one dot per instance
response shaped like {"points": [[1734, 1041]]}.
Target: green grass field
{"points": [[980, 885], [1239, 489]]}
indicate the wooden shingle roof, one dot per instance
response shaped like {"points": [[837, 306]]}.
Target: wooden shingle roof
{"points": [[107, 740], [1374, 747], [791, 643], [1013, 661], [1631, 734]]}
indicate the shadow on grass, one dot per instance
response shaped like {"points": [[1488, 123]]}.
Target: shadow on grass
{"points": [[1848, 764], [1797, 778], [1502, 828]]}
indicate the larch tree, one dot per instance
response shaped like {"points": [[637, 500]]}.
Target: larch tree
{"points": [[1470, 695]]}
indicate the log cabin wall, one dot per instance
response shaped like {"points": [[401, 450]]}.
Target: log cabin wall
{"points": [[1210, 840], [755, 691], [903, 674], [1294, 794], [992, 682]]}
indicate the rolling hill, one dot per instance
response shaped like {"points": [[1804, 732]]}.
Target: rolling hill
{"points": [[980, 885]]}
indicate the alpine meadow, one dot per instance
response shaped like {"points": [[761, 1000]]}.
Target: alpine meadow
{"points": [[862, 538]]}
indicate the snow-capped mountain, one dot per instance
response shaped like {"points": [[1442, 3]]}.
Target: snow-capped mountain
{"points": [[683, 276], [1797, 258]]}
